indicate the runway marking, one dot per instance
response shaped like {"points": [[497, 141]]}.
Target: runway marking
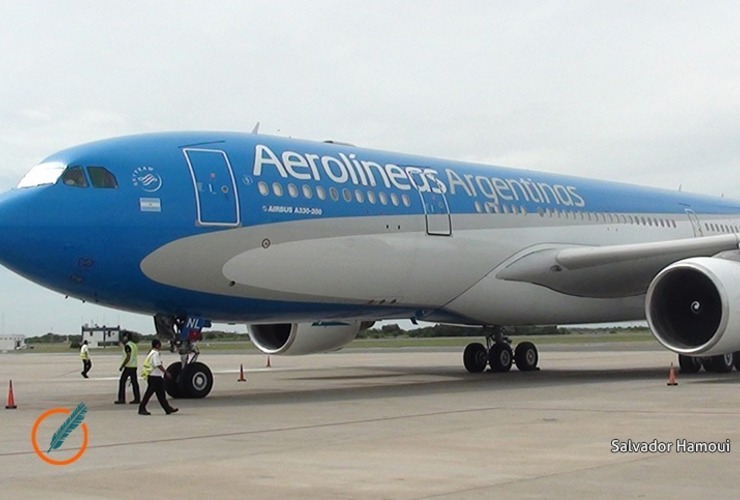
{"points": [[388, 419], [491, 486]]}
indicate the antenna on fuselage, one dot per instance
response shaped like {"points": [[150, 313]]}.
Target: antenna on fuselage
{"points": [[256, 128]]}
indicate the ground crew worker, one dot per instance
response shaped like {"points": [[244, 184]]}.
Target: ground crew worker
{"points": [[85, 357], [128, 371], [154, 371]]}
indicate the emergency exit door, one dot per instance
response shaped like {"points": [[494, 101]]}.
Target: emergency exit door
{"points": [[434, 201]]}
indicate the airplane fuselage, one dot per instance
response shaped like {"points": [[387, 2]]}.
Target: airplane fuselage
{"points": [[259, 229]]}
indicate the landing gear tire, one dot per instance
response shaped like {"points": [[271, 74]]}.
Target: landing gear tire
{"points": [[526, 357], [475, 358], [196, 380], [689, 364], [170, 383], [721, 363], [500, 357], [736, 360]]}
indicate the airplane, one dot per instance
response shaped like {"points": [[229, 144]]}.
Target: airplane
{"points": [[309, 243]]}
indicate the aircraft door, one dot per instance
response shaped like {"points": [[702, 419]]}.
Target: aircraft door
{"points": [[434, 201], [216, 198], [695, 224]]}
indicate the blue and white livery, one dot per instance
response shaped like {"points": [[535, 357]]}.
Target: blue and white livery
{"points": [[310, 242]]}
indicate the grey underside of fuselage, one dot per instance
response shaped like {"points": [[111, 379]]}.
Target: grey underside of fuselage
{"points": [[392, 261]]}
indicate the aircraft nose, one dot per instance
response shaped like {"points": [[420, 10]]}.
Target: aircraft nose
{"points": [[16, 232]]}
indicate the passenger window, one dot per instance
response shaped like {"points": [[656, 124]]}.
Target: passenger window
{"points": [[101, 177], [74, 176]]}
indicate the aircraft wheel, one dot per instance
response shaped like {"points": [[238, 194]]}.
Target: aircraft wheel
{"points": [[736, 360], [170, 383], [721, 363], [196, 380], [526, 357], [689, 364], [500, 357], [475, 358]]}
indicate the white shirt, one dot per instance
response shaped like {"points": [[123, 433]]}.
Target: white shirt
{"points": [[156, 362], [85, 351]]}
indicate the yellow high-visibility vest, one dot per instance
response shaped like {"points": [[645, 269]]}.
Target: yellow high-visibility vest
{"points": [[147, 367], [133, 360]]}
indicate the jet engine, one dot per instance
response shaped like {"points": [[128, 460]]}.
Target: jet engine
{"points": [[292, 339], [693, 306]]}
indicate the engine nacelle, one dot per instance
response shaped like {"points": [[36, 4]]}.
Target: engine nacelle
{"points": [[693, 306], [292, 339]]}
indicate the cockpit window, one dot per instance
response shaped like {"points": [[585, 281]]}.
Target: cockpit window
{"points": [[101, 177], [74, 176], [43, 173]]}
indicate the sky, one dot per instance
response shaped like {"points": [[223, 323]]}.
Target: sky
{"points": [[645, 92]]}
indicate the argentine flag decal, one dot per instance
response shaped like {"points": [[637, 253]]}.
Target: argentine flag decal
{"points": [[150, 205]]}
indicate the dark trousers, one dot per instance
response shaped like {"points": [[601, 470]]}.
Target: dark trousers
{"points": [[155, 385], [128, 373], [86, 365]]}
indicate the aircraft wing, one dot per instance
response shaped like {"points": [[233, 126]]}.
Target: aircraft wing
{"points": [[609, 271]]}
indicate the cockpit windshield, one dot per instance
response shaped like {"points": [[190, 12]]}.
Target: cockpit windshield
{"points": [[43, 173]]}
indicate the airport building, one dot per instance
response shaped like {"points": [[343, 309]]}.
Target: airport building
{"points": [[101, 336], [12, 342]]}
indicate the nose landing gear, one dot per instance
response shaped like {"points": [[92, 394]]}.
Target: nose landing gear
{"points": [[189, 377]]}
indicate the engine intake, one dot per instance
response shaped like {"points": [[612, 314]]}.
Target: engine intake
{"points": [[293, 339], [688, 306]]}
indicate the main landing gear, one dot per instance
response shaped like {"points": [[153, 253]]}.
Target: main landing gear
{"points": [[497, 354], [722, 363], [189, 377]]}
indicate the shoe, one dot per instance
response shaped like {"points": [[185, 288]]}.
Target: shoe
{"points": [[119, 402], [144, 412], [134, 402], [172, 410], [85, 375]]}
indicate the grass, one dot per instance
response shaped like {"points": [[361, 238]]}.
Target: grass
{"points": [[601, 336]]}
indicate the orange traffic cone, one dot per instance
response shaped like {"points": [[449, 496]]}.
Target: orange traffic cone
{"points": [[241, 374], [268, 365], [672, 376], [11, 400]]}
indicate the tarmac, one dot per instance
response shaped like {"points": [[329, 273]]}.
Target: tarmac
{"points": [[399, 424]]}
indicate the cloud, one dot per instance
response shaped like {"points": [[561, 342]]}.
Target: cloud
{"points": [[644, 92]]}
